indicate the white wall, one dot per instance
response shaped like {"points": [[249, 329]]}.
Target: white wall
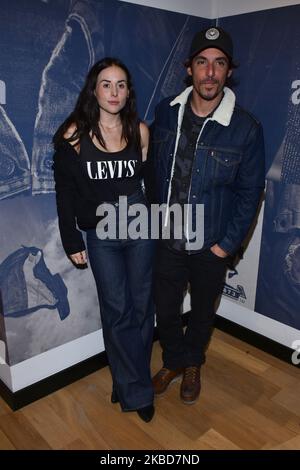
{"points": [[51, 362], [201, 8], [214, 8], [221, 8]]}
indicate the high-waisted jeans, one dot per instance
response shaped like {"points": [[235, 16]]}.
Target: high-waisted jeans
{"points": [[123, 275]]}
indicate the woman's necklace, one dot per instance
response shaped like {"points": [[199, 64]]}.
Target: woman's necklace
{"points": [[107, 128]]}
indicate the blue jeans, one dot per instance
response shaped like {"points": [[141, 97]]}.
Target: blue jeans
{"points": [[123, 275]]}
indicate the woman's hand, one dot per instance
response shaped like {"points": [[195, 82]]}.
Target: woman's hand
{"points": [[79, 259]]}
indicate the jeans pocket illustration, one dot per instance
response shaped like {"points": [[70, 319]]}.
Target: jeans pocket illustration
{"points": [[14, 161], [62, 80]]}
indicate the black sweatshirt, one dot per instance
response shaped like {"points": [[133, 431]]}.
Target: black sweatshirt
{"points": [[79, 189]]}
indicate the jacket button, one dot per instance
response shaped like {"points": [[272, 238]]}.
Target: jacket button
{"points": [[167, 180], [194, 196], [198, 170]]}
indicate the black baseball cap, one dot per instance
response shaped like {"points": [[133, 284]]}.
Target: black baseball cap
{"points": [[212, 37]]}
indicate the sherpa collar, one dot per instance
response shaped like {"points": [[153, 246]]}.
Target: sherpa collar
{"points": [[223, 112]]}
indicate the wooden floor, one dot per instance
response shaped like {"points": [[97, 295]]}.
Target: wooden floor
{"points": [[249, 400]]}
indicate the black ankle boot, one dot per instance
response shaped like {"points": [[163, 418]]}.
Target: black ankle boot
{"points": [[146, 413], [114, 397]]}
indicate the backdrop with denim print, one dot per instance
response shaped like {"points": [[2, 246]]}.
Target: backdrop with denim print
{"points": [[46, 50], [267, 45]]}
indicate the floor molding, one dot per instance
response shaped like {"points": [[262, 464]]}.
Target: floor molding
{"points": [[49, 385]]}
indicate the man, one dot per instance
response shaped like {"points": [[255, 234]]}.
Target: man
{"points": [[205, 150]]}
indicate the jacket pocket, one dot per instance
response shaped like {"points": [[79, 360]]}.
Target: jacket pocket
{"points": [[224, 164]]}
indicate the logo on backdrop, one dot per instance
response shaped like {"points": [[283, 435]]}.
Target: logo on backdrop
{"points": [[296, 94], [234, 293]]}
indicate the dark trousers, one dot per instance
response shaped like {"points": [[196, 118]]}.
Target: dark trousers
{"points": [[123, 275], [205, 273]]}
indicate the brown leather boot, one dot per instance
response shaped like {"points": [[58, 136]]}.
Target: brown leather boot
{"points": [[164, 378], [191, 385]]}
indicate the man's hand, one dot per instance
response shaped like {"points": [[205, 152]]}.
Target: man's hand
{"points": [[217, 250]]}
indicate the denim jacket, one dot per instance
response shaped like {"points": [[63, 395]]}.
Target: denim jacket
{"points": [[228, 172]]}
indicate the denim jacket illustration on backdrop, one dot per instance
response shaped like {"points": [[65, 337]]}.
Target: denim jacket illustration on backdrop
{"points": [[27, 285], [228, 172]]}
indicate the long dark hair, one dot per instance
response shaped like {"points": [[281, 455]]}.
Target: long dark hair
{"points": [[86, 112]]}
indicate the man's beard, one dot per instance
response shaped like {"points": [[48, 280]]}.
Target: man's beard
{"points": [[206, 96]]}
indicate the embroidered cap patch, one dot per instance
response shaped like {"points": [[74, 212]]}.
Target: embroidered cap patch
{"points": [[212, 34]]}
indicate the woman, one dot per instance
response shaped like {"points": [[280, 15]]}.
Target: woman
{"points": [[100, 150]]}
